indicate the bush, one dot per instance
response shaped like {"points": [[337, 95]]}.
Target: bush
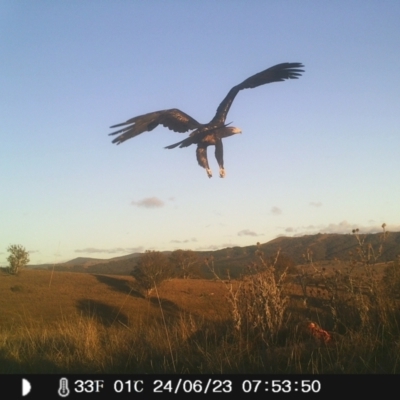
{"points": [[18, 258], [262, 297], [187, 262], [153, 267], [259, 300]]}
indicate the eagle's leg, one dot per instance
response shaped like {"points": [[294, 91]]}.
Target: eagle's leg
{"points": [[201, 154], [219, 155]]}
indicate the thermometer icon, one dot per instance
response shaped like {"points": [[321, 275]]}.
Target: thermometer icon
{"points": [[63, 390]]}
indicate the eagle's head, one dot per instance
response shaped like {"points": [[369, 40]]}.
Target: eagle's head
{"points": [[228, 131]]}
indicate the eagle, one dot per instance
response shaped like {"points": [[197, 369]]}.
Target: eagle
{"points": [[204, 135]]}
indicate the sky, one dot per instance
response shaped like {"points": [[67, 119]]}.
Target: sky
{"points": [[316, 155]]}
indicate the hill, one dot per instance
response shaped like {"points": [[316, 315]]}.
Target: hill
{"points": [[65, 322], [324, 247], [47, 298]]}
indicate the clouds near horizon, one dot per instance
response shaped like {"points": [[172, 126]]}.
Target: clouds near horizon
{"points": [[91, 250], [248, 232], [149, 202], [342, 227]]}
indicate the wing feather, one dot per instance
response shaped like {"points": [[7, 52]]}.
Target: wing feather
{"points": [[277, 73], [173, 119]]}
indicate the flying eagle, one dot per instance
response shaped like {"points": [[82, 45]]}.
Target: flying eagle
{"points": [[210, 134]]}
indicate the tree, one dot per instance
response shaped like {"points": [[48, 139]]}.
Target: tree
{"points": [[18, 258], [186, 261], [152, 268]]}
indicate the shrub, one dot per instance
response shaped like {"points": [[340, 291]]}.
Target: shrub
{"points": [[186, 261], [153, 267], [18, 258], [259, 301]]}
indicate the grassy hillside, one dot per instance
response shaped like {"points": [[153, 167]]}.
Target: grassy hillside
{"points": [[42, 298], [324, 247], [64, 321], [344, 319]]}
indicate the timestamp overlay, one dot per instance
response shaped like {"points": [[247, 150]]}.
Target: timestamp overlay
{"points": [[129, 386]]}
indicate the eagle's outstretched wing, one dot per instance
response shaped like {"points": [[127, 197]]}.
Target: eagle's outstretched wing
{"points": [[277, 73], [173, 119]]}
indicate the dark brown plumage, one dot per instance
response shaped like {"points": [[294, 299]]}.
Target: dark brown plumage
{"points": [[210, 134]]}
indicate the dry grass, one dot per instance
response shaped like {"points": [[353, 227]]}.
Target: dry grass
{"points": [[82, 323], [93, 323]]}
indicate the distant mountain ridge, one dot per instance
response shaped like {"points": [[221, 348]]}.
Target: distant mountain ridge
{"points": [[87, 261], [324, 247]]}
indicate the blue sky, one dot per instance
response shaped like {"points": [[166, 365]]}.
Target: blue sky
{"points": [[318, 154]]}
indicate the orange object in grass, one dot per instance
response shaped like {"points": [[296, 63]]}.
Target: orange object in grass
{"points": [[319, 333]]}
